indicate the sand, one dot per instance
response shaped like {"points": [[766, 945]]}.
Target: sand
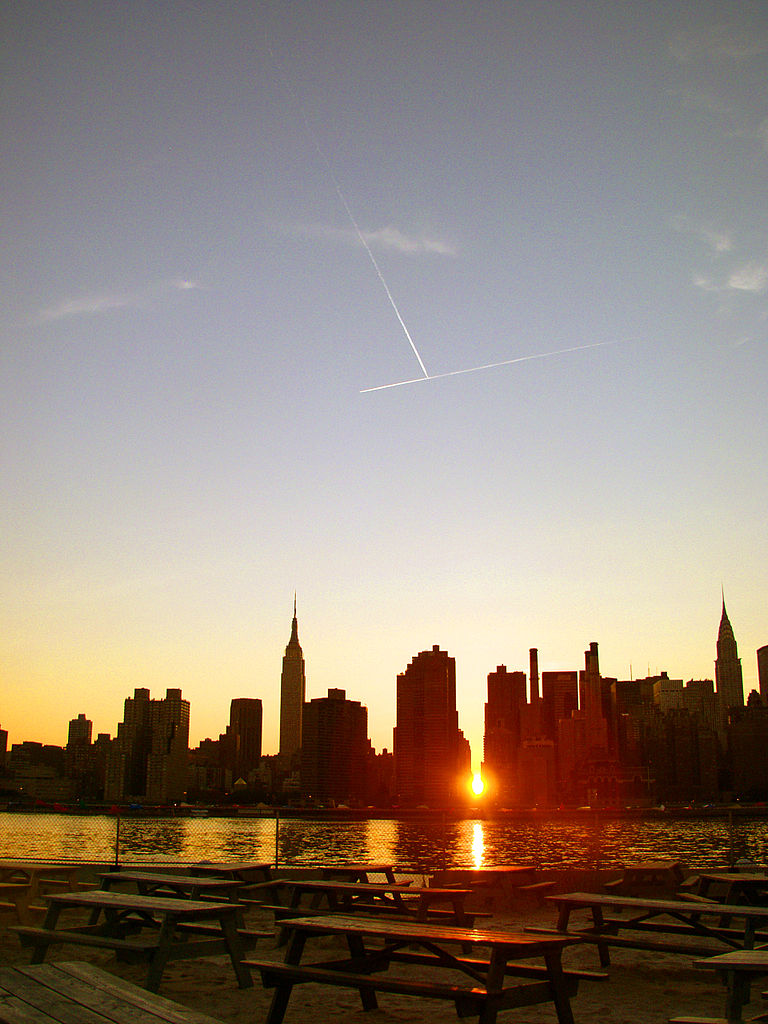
{"points": [[643, 987]]}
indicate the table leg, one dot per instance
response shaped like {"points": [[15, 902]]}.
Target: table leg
{"points": [[494, 983], [598, 922], [39, 949], [737, 994], [235, 950], [161, 954], [283, 989], [357, 951], [559, 990]]}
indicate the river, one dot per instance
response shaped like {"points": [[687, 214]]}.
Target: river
{"points": [[548, 841]]}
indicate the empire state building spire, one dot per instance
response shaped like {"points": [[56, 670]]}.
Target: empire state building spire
{"points": [[292, 692]]}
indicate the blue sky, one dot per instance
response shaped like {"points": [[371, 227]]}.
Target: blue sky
{"points": [[223, 222]]}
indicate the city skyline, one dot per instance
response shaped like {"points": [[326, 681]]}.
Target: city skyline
{"points": [[292, 679], [222, 227]]}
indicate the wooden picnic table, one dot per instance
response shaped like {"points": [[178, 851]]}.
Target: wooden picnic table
{"points": [[360, 872], [151, 883], [734, 886], [641, 879], [245, 871], [737, 970], [428, 946], [63, 993], [22, 883], [664, 925], [35, 872], [152, 928], [489, 874], [375, 897]]}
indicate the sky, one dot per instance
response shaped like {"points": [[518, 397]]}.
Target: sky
{"points": [[223, 223]]}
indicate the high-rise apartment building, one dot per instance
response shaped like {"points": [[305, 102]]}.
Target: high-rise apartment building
{"points": [[762, 672], [504, 711], [559, 697], [80, 732], [335, 750], [148, 758], [431, 753], [292, 691], [728, 679], [241, 743]]}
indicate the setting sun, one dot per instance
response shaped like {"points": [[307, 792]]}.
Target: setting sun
{"points": [[477, 784]]}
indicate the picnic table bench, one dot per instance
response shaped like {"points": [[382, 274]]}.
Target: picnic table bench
{"points": [[63, 993], [648, 922], [152, 928], [366, 967]]}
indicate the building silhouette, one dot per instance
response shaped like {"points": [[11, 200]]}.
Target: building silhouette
{"points": [[148, 757], [432, 757], [728, 679], [335, 750], [292, 690], [240, 745], [502, 737], [762, 672], [559, 697]]}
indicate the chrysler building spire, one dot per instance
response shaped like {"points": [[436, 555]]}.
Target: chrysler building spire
{"points": [[728, 678]]}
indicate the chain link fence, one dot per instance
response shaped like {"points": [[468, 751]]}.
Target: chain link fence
{"points": [[419, 845]]}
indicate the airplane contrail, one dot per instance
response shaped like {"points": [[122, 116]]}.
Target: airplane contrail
{"points": [[488, 366], [342, 199]]}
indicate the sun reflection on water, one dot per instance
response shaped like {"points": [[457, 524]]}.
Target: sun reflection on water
{"points": [[478, 844]]}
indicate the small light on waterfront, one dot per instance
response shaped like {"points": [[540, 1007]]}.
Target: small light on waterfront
{"points": [[477, 784]]}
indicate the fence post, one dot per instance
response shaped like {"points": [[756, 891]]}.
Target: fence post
{"points": [[117, 843], [277, 836]]}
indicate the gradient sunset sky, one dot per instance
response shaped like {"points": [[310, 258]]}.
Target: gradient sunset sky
{"points": [[222, 222]]}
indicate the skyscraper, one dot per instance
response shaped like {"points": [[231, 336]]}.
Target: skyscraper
{"points": [[241, 743], [501, 741], [762, 672], [335, 750], [431, 754], [728, 680], [292, 687], [148, 758]]}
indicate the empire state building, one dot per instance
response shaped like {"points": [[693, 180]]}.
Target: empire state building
{"points": [[292, 687]]}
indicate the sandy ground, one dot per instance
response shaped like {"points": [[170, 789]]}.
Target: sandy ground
{"points": [[643, 987]]}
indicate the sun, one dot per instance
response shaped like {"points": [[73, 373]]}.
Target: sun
{"points": [[477, 784]]}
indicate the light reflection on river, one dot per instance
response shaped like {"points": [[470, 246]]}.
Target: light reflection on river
{"points": [[547, 841]]}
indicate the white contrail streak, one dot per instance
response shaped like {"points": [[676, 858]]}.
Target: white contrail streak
{"points": [[345, 204], [488, 366], [376, 267]]}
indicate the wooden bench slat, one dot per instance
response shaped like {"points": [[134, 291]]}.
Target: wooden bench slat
{"points": [[87, 988], [469, 1001], [311, 973], [30, 935], [513, 967], [42, 999], [16, 1011]]}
